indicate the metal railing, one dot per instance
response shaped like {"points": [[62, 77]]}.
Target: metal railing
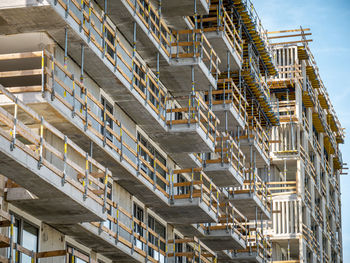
{"points": [[257, 243], [103, 34], [282, 188], [228, 93], [257, 132], [197, 112], [222, 21], [192, 43], [194, 183], [254, 185], [227, 151], [155, 24], [82, 171], [190, 250], [230, 219]]}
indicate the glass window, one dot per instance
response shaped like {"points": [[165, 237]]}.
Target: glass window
{"points": [[154, 238], [108, 107], [139, 215], [150, 159], [26, 235], [29, 240], [108, 223], [78, 257]]}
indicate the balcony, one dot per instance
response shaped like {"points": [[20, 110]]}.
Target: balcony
{"points": [[39, 157], [254, 143], [189, 250], [191, 48], [190, 129], [223, 35], [258, 248], [193, 198], [120, 236], [228, 104], [253, 198], [173, 10], [177, 54], [226, 165], [229, 233], [70, 106], [126, 77]]}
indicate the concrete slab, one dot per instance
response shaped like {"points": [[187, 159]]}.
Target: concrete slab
{"points": [[171, 8], [248, 204], [126, 174], [234, 119], [100, 242], [223, 174], [96, 65], [187, 211], [177, 79], [223, 48], [186, 160], [218, 240], [53, 202], [246, 257], [185, 138], [223, 255]]}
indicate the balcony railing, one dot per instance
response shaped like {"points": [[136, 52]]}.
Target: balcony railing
{"points": [[257, 243], [82, 171], [257, 132], [123, 227], [307, 199], [282, 188], [228, 94], [192, 43], [231, 218], [310, 239], [230, 231], [254, 185], [221, 21], [227, 151], [102, 33], [197, 112], [61, 84], [194, 183], [155, 24], [189, 250]]}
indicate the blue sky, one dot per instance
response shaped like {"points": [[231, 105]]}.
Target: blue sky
{"points": [[330, 26]]}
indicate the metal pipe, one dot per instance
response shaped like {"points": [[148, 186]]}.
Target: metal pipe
{"points": [[65, 47]]}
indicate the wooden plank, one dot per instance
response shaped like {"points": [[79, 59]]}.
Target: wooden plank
{"points": [[291, 42], [20, 73], [289, 31]]}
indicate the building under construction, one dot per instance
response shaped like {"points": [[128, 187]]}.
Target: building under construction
{"points": [[163, 131]]}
